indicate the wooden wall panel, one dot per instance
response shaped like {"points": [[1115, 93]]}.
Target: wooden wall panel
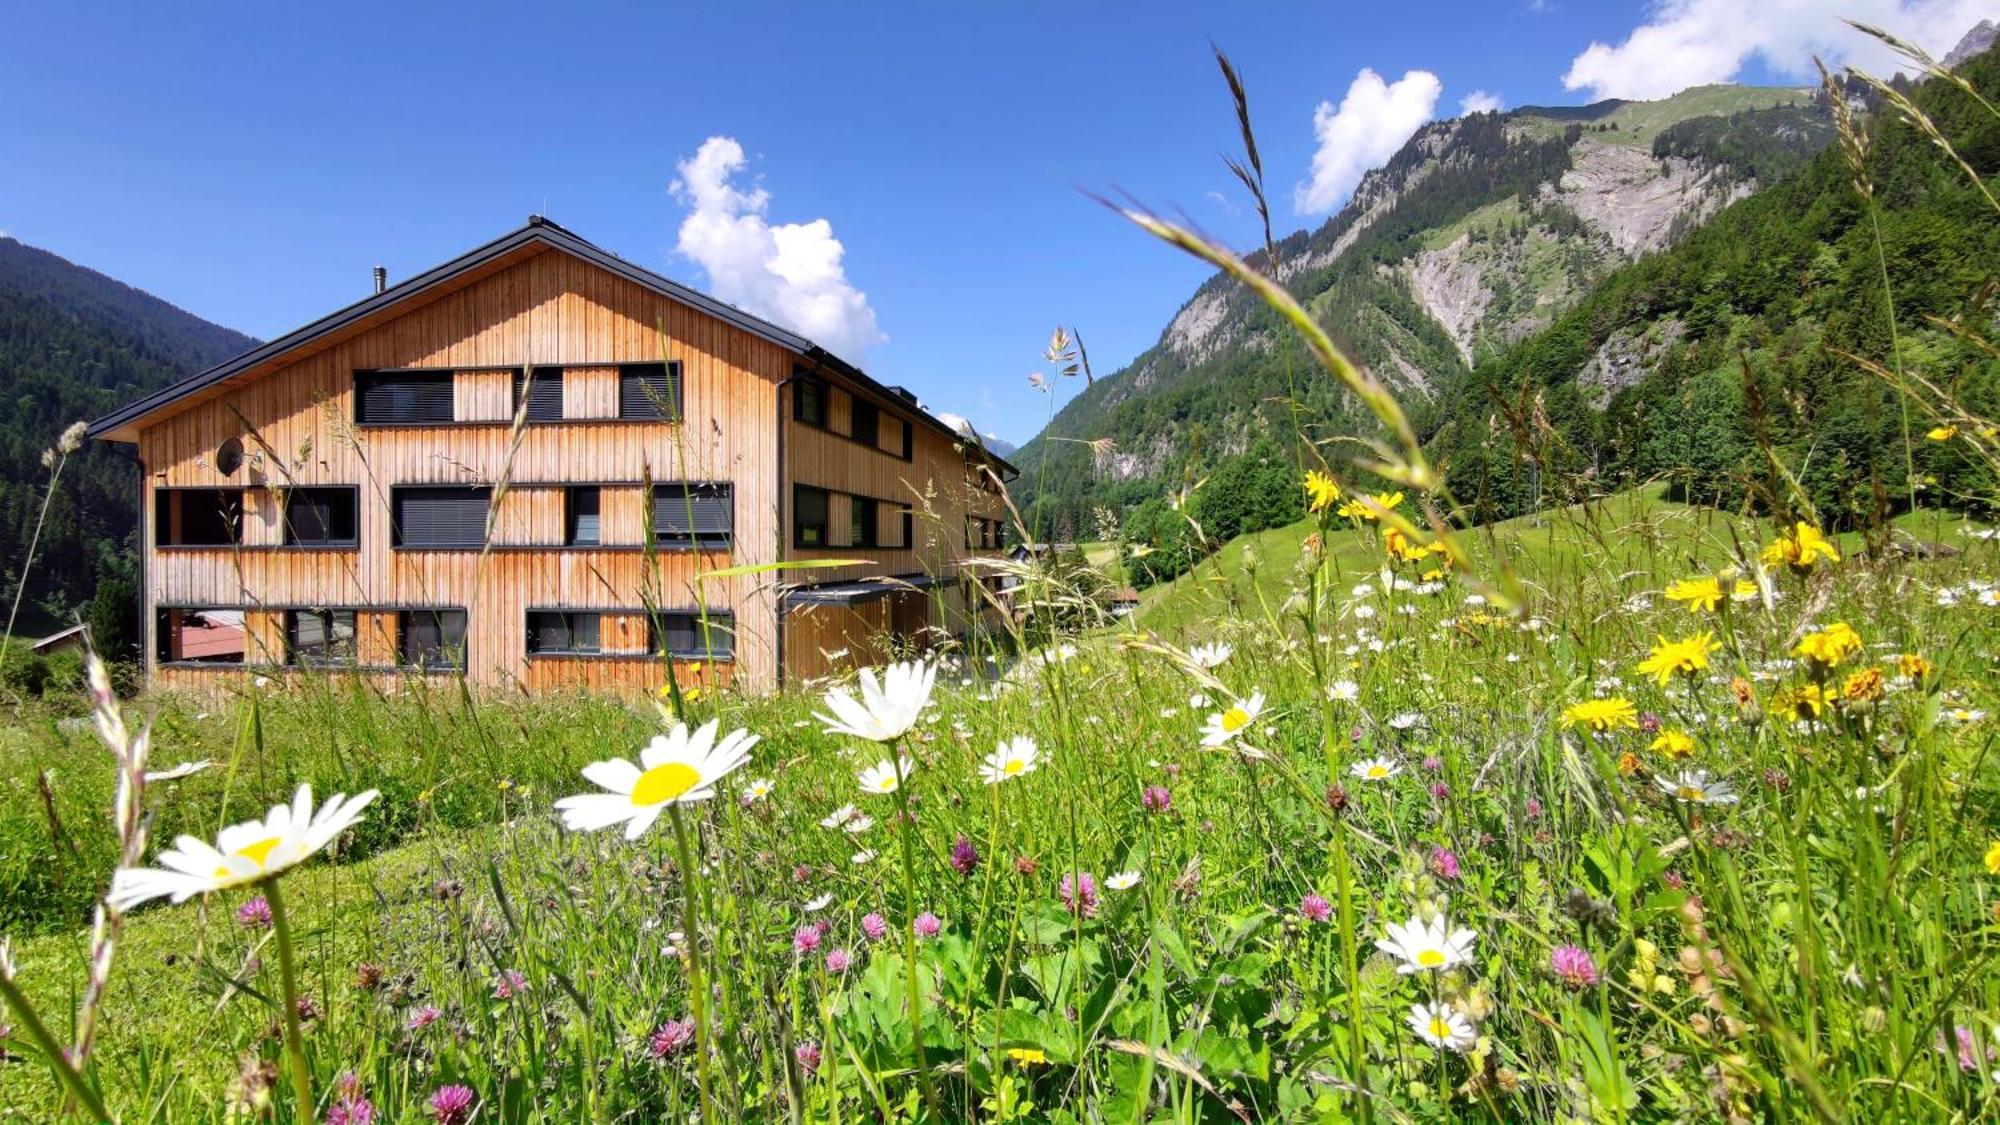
{"points": [[483, 396], [263, 517], [530, 516], [621, 515], [590, 392]]}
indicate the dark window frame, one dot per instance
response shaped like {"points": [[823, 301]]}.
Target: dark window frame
{"points": [[573, 517], [353, 521], [800, 524], [366, 381], [547, 380], [540, 628], [439, 614], [163, 636], [857, 409], [400, 534], [721, 624], [294, 649], [691, 538], [229, 518], [864, 521], [642, 406], [806, 389]]}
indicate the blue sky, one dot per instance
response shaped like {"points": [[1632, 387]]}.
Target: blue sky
{"points": [[250, 163]]}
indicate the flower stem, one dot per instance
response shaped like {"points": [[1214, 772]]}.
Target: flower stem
{"points": [[72, 1079], [288, 978], [691, 945], [1358, 1057], [904, 830]]}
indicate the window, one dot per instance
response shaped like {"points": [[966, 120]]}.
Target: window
{"points": [[909, 529], [909, 441], [198, 517], [681, 635], [321, 517], [866, 422], [580, 520], [450, 516], [544, 394], [552, 631], [201, 636], [319, 638], [694, 514], [982, 533], [406, 398], [650, 391], [431, 638], [861, 522], [808, 516], [809, 402]]}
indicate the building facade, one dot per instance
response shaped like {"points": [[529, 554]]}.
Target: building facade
{"points": [[543, 466]]}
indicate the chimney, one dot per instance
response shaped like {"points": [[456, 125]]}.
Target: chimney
{"points": [[381, 278]]}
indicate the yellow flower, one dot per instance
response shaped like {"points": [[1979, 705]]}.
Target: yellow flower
{"points": [[1601, 714], [1321, 491], [1699, 593], [1674, 744], [1828, 647], [1915, 667], [1799, 549], [1993, 859], [1800, 704], [1689, 654], [1864, 686], [1370, 507], [1028, 1056], [1943, 433], [1400, 547]]}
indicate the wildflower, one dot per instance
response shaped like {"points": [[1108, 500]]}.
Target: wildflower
{"points": [[1015, 757], [839, 816], [1315, 908], [1673, 743], [1830, 646], [885, 777], [674, 768], [1439, 1026], [1862, 687], [874, 925], [1225, 725], [1696, 788], [452, 1105], [805, 939], [1428, 946], [255, 914], [1028, 1056], [1689, 654], [1800, 704], [1800, 549], [1573, 965], [1629, 764], [1079, 894], [1343, 691], [1966, 1046], [865, 855], [185, 769], [1156, 799], [1123, 881], [1993, 858], [888, 707], [1700, 593], [757, 790], [1026, 865], [510, 985], [671, 1038], [368, 976], [839, 961], [819, 903], [1914, 667], [964, 857], [1213, 655], [422, 1017], [1942, 433], [1601, 714], [242, 853], [1374, 769], [856, 825], [926, 926], [1444, 863], [1321, 491], [808, 1056], [1370, 507], [350, 1106], [1406, 720]]}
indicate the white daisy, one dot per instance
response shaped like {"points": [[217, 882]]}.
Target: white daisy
{"points": [[242, 853], [1696, 788], [1427, 946], [1374, 769], [862, 856], [858, 823], [883, 777], [674, 768], [1209, 655], [1439, 1026], [888, 707], [1225, 725], [758, 789], [185, 769], [820, 903], [1123, 881], [1343, 691], [839, 816], [1405, 721], [1015, 757]]}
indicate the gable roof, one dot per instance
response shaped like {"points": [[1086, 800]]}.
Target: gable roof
{"points": [[538, 231]]}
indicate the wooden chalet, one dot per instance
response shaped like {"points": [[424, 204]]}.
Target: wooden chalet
{"points": [[545, 467]]}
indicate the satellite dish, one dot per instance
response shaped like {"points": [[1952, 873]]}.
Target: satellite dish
{"points": [[229, 457]]}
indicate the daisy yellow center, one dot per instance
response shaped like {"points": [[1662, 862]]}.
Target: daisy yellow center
{"points": [[1440, 1029], [886, 785], [1430, 958], [1013, 766], [664, 783], [1690, 793], [1378, 771], [256, 853], [1235, 719]]}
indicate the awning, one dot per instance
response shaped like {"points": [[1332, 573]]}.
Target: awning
{"points": [[862, 590]]}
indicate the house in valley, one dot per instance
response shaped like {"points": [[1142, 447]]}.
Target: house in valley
{"points": [[543, 466]]}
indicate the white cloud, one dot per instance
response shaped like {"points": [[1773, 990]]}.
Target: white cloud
{"points": [[1697, 42], [1371, 123], [1479, 101], [787, 272]]}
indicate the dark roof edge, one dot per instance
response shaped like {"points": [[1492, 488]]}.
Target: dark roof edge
{"points": [[538, 229]]}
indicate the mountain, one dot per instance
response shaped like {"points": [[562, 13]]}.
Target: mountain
{"points": [[73, 344], [1480, 232]]}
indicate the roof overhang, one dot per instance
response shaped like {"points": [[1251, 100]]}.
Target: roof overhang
{"points": [[859, 590]]}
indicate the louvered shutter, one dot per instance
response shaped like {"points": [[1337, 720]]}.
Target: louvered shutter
{"points": [[545, 394], [441, 517], [690, 514], [424, 397], [649, 391]]}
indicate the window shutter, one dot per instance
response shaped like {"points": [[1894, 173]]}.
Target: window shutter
{"points": [[441, 517], [584, 522], [650, 390], [422, 397], [545, 394], [683, 637], [696, 513]]}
